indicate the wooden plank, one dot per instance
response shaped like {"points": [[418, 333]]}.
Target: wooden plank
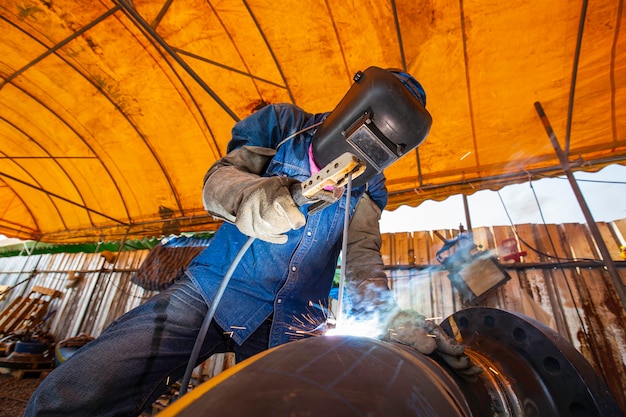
{"points": [[611, 240], [565, 280], [216, 364], [619, 227], [547, 242], [534, 280], [503, 234], [483, 239], [583, 247], [4, 290], [30, 373], [47, 291], [9, 313], [401, 285], [386, 248], [620, 230], [401, 248], [421, 252], [517, 292], [510, 296], [21, 314], [526, 237]]}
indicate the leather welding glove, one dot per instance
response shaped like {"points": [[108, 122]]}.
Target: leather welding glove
{"points": [[262, 207], [410, 328], [267, 210]]}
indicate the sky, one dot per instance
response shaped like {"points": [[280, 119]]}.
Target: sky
{"points": [[555, 202]]}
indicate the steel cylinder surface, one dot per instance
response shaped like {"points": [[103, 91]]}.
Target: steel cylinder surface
{"points": [[328, 376]]}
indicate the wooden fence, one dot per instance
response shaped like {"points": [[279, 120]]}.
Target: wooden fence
{"points": [[557, 281]]}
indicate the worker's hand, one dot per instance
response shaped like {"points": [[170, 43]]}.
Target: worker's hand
{"points": [[269, 211], [411, 328]]}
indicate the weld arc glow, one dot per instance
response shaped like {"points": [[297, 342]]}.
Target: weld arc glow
{"points": [[350, 326]]}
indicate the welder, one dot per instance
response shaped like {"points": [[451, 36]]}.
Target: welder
{"points": [[279, 290]]}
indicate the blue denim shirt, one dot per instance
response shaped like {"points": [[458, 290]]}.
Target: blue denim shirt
{"points": [[288, 282]]}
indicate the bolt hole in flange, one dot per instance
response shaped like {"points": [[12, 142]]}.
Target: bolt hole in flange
{"points": [[519, 335], [551, 365], [578, 410], [489, 321]]}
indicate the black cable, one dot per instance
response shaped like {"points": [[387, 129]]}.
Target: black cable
{"points": [[532, 248]]}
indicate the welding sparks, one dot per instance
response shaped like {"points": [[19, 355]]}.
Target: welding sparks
{"points": [[311, 323]]}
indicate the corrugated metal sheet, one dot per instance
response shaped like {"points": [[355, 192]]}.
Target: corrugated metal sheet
{"points": [[102, 293], [574, 299]]}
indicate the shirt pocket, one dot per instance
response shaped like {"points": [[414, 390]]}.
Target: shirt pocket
{"points": [[285, 169]]}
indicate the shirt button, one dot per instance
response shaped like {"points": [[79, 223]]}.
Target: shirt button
{"points": [[309, 233], [280, 300], [293, 268]]}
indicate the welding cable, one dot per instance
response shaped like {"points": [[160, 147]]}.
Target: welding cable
{"points": [[344, 250], [195, 353]]}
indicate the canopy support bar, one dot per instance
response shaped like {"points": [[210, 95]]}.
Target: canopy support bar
{"points": [[128, 7], [593, 227], [468, 220]]}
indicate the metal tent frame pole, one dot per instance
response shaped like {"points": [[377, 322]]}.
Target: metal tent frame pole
{"points": [[593, 226]]}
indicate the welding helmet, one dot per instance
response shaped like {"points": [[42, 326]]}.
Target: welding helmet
{"points": [[382, 117]]}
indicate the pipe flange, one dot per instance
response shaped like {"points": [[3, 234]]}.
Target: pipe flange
{"points": [[530, 370]]}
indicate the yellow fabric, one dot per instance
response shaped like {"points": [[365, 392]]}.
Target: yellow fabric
{"points": [[110, 114]]}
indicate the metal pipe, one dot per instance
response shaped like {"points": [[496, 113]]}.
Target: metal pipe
{"points": [[528, 370]]}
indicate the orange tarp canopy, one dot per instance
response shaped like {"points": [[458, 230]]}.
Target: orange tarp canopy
{"points": [[112, 111]]}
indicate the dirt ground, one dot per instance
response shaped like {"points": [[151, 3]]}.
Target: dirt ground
{"points": [[14, 394]]}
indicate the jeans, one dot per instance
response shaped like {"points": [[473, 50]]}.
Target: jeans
{"points": [[131, 364]]}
